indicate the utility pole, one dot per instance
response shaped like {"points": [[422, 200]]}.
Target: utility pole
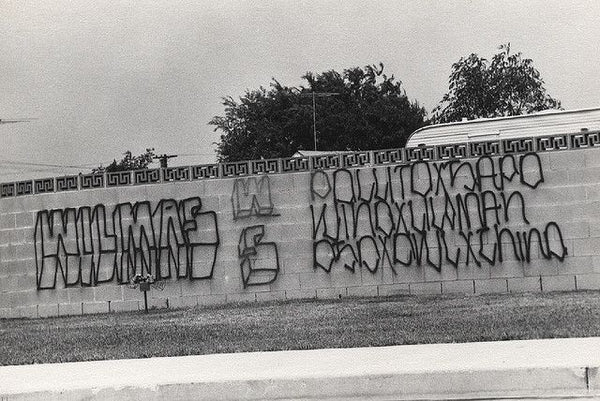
{"points": [[315, 95], [163, 159]]}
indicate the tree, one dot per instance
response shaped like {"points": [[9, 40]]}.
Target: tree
{"points": [[128, 162], [369, 110], [508, 85]]}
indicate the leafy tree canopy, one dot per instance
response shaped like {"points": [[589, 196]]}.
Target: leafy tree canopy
{"points": [[505, 86], [128, 162], [359, 109]]}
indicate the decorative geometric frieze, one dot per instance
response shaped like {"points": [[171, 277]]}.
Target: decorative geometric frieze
{"points": [[118, 178], [270, 166], [477, 149], [44, 185], [388, 156], [24, 187], [235, 169], [553, 142], [67, 183], [453, 151], [295, 164], [176, 173], [147, 176], [87, 181], [7, 189], [517, 145], [357, 159], [324, 162], [205, 171], [585, 140], [421, 153]]}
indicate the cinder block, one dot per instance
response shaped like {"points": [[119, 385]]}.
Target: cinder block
{"points": [[364, 291], [156, 303], [447, 273], [70, 309], [108, 293], [7, 221], [4, 313], [24, 219], [491, 286], [541, 267], [172, 288], [124, 306], [578, 265], [186, 301], [566, 161], [425, 288], [458, 287], [331, 293], [318, 278], [524, 284], [393, 289], [132, 294], [507, 269], [270, 296], [588, 281], [300, 294], [244, 297], [193, 287], [409, 274], [285, 282], [80, 294], [586, 247], [206, 300], [95, 307], [47, 310], [558, 283], [28, 312], [472, 271]]}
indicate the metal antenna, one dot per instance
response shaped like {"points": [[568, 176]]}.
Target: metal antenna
{"points": [[16, 120], [315, 95]]}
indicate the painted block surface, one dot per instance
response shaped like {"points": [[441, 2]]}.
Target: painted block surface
{"points": [[481, 224]]}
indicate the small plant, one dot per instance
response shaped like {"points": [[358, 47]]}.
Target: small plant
{"points": [[144, 283]]}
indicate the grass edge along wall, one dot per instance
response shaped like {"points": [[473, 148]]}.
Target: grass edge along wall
{"points": [[500, 219]]}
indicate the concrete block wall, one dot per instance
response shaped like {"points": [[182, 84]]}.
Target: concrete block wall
{"points": [[368, 231]]}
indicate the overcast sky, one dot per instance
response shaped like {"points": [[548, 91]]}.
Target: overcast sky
{"points": [[102, 77]]}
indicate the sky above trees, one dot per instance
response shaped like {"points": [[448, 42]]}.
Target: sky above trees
{"points": [[105, 77]]}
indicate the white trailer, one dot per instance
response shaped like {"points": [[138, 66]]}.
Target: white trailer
{"points": [[545, 123]]}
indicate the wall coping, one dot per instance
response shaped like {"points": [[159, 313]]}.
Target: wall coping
{"points": [[371, 158]]}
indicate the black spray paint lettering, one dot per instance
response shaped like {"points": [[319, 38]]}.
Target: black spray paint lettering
{"points": [[429, 213], [92, 245], [259, 259]]}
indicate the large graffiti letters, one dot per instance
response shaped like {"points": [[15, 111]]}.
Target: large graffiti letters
{"points": [[93, 245], [259, 259], [424, 213]]}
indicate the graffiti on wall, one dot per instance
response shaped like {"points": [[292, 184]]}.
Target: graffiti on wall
{"points": [[259, 259], [424, 213], [92, 245]]}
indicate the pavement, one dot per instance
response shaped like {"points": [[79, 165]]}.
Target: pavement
{"points": [[532, 369]]}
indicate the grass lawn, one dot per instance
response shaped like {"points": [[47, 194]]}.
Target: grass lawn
{"points": [[300, 325]]}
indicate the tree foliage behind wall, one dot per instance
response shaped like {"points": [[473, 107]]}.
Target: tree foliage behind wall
{"points": [[128, 162], [358, 109], [507, 85]]}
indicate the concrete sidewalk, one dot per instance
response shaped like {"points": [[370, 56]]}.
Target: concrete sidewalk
{"points": [[534, 369]]}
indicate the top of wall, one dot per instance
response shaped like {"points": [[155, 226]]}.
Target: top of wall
{"points": [[537, 143], [547, 122]]}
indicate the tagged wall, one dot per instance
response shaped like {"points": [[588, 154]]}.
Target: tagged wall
{"points": [[474, 218]]}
